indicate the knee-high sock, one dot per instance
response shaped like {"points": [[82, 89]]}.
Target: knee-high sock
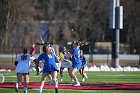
{"points": [[41, 86], [25, 86]]}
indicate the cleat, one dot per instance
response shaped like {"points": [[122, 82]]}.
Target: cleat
{"points": [[86, 76], [72, 80], [56, 90], [16, 89], [38, 91], [83, 80], [76, 84], [61, 79], [25, 92]]}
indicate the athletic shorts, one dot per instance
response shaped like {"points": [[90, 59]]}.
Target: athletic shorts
{"points": [[23, 73], [78, 66], [49, 72], [66, 64]]}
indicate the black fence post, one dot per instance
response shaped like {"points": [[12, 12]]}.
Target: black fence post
{"points": [[139, 57]]}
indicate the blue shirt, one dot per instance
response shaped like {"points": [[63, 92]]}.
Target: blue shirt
{"points": [[49, 62], [76, 62]]}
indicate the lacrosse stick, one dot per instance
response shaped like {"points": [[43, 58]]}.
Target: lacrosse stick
{"points": [[2, 78]]}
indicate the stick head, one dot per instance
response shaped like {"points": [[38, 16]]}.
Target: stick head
{"points": [[2, 78]]}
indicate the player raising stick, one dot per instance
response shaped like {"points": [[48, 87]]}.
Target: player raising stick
{"points": [[50, 67]]}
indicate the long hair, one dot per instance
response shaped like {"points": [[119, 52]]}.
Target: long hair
{"points": [[25, 50], [45, 47], [76, 43]]}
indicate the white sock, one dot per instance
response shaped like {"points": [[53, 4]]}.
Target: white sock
{"points": [[25, 89], [77, 82], [25, 86], [17, 85], [41, 87], [56, 85]]}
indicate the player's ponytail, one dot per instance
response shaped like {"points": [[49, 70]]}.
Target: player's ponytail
{"points": [[25, 50]]}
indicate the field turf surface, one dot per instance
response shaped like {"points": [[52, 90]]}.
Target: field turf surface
{"points": [[97, 78]]}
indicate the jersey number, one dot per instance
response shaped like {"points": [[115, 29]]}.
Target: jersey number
{"points": [[24, 57]]}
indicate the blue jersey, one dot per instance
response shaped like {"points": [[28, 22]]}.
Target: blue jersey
{"points": [[83, 60], [49, 62], [76, 62]]}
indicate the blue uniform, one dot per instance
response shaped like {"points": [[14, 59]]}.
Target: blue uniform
{"points": [[76, 62], [49, 62], [83, 60]]}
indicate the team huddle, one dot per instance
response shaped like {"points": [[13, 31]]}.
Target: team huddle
{"points": [[74, 60]]}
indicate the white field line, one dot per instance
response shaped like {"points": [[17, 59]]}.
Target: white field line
{"points": [[96, 75], [16, 76], [118, 75], [82, 91]]}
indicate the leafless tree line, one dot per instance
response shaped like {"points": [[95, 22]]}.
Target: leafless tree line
{"points": [[67, 20]]}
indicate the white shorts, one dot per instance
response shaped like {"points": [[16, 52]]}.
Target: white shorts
{"points": [[67, 64]]}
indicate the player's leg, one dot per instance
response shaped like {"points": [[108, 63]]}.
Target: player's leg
{"points": [[43, 78], [54, 78], [80, 71], [26, 81], [72, 72], [61, 73], [19, 80], [84, 73], [49, 77]]}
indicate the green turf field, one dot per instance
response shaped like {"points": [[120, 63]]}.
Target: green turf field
{"points": [[107, 77]]}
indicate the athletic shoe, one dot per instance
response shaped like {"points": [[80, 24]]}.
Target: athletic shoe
{"points": [[83, 80], [86, 76], [61, 79], [56, 90], [16, 87], [76, 84], [72, 80], [25, 92], [38, 91]]}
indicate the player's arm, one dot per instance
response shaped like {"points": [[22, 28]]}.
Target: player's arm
{"points": [[16, 63], [33, 53], [37, 63], [56, 59], [37, 66]]}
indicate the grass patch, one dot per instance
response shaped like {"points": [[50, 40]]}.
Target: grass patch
{"points": [[73, 91], [100, 77]]}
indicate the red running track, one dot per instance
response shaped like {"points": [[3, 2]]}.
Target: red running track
{"points": [[84, 86]]}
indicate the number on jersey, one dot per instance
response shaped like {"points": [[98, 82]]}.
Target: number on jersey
{"points": [[24, 57]]}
